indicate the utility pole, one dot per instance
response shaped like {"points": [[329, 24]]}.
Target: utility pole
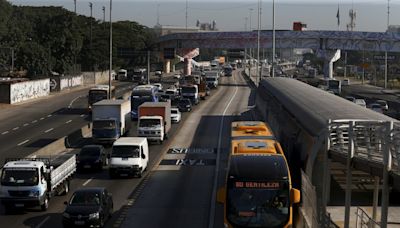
{"points": [[258, 42], [104, 17], [245, 49], [386, 54], [250, 13], [186, 16], [273, 39], [75, 6], [158, 14], [110, 70], [91, 26], [148, 67]]}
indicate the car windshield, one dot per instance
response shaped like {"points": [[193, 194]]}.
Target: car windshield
{"points": [[188, 90], [149, 123], [383, 103], [174, 111], [90, 152], [184, 102], [19, 177], [210, 79], [104, 124], [85, 198], [257, 206], [125, 151], [97, 95]]}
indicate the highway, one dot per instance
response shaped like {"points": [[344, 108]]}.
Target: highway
{"points": [[27, 127], [173, 181]]}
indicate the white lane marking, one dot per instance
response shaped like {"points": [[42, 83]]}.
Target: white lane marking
{"points": [[43, 222], [49, 115], [26, 124], [48, 130], [87, 182], [214, 191], [76, 98], [34, 121], [69, 121], [15, 128], [21, 143], [6, 132], [42, 118], [82, 115]]}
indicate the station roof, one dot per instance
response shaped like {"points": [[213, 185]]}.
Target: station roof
{"points": [[313, 107]]}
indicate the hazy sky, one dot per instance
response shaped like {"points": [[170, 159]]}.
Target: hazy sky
{"points": [[230, 14]]}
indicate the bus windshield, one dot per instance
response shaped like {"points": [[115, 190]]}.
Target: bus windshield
{"points": [[258, 204], [137, 101]]}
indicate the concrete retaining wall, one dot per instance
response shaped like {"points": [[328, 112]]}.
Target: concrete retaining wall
{"points": [[100, 77], [70, 82], [23, 91]]}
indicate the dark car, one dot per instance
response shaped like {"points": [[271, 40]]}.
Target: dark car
{"points": [[184, 105], [88, 207], [91, 157]]}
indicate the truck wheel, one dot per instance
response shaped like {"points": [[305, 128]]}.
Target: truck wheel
{"points": [[45, 204], [66, 187]]}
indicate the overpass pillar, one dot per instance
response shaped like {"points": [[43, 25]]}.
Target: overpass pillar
{"points": [[187, 70], [329, 57], [167, 66]]}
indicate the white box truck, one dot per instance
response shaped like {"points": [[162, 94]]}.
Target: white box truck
{"points": [[110, 119], [30, 182], [129, 156], [154, 120]]}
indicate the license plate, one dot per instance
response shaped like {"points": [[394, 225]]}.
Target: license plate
{"points": [[19, 205], [86, 166], [79, 222]]}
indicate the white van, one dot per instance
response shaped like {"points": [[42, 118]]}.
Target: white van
{"points": [[129, 156]]}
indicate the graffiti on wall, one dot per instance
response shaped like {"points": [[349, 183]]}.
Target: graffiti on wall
{"points": [[23, 91], [68, 82]]}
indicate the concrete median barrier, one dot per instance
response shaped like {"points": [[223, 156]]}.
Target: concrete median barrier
{"points": [[66, 143]]}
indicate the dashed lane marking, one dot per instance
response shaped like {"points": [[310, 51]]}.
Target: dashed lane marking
{"points": [[34, 121], [49, 115], [26, 124], [48, 130], [87, 182], [69, 121], [22, 143], [15, 128], [43, 222], [6, 132], [42, 118]]}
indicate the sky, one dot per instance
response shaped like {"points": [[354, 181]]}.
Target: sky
{"points": [[230, 15]]}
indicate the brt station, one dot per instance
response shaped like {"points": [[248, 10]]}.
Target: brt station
{"points": [[333, 146], [325, 136]]}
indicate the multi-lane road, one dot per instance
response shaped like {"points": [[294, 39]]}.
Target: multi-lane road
{"points": [[178, 188]]}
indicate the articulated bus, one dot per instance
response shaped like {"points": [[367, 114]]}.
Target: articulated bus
{"points": [[258, 190], [98, 93]]}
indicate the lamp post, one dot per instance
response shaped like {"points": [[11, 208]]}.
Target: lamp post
{"points": [[250, 13], [75, 6], [91, 27], [104, 17], [186, 16], [110, 70], [273, 39], [258, 41]]}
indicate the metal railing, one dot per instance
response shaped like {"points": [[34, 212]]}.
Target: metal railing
{"points": [[369, 139], [364, 221]]}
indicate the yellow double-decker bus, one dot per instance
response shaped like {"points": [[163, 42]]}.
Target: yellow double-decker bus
{"points": [[258, 190]]}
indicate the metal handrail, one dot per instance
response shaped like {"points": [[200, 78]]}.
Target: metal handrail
{"points": [[364, 221]]}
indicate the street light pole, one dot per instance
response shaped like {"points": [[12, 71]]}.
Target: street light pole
{"points": [[273, 39], [258, 41], [186, 16], [250, 13], [91, 27], [110, 70], [75, 6], [104, 17], [386, 62]]}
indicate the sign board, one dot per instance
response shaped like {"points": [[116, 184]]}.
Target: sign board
{"points": [[382, 57], [53, 84]]}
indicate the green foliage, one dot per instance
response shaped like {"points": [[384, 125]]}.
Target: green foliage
{"points": [[49, 39]]}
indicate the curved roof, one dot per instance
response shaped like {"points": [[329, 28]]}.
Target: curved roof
{"points": [[313, 107]]}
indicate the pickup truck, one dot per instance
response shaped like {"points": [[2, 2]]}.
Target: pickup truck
{"points": [[30, 182]]}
